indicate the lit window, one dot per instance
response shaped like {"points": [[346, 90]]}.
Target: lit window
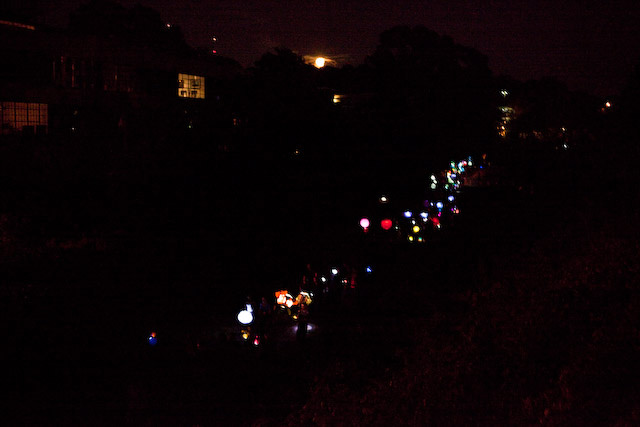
{"points": [[17, 117], [190, 86]]}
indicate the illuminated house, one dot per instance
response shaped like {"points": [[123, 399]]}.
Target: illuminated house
{"points": [[56, 83]]}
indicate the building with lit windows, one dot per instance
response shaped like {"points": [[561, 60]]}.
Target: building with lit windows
{"points": [[56, 83]]}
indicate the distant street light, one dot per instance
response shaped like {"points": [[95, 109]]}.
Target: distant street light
{"points": [[320, 62]]}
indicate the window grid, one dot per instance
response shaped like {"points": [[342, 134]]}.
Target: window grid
{"points": [[17, 117], [190, 86]]}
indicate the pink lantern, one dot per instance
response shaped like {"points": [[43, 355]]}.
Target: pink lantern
{"points": [[364, 223]]}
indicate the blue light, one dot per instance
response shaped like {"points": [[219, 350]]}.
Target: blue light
{"points": [[424, 215], [152, 341], [439, 205], [368, 269], [450, 198], [407, 214]]}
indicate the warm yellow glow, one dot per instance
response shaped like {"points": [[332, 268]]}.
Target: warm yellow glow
{"points": [[416, 229], [320, 62], [607, 104], [16, 117], [337, 98], [190, 86]]}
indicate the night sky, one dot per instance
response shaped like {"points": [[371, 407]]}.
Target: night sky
{"points": [[591, 45]]}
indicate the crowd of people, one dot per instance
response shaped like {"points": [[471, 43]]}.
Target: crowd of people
{"points": [[338, 286]]}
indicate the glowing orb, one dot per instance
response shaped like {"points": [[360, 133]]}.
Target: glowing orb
{"points": [[416, 229], [411, 238], [152, 339], [323, 279], [364, 223], [439, 205], [450, 198], [334, 271], [368, 269], [245, 317], [320, 62], [384, 199], [407, 214], [386, 224], [424, 215]]}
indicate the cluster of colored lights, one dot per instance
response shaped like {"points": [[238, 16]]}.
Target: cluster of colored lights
{"points": [[436, 212]]}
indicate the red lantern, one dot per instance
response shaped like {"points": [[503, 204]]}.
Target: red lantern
{"points": [[386, 224]]}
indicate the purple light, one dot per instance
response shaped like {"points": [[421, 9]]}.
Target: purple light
{"points": [[407, 214]]}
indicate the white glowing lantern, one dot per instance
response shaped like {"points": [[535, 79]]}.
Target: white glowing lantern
{"points": [[320, 61], [245, 317]]}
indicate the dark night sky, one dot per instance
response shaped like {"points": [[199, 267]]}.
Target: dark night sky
{"points": [[591, 45]]}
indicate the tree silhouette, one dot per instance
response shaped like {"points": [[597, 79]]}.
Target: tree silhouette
{"points": [[434, 89]]}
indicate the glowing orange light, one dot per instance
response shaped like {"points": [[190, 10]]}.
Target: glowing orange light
{"points": [[320, 61]]}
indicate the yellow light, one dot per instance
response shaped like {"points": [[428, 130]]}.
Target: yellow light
{"points": [[336, 99], [411, 238], [320, 62], [416, 229]]}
